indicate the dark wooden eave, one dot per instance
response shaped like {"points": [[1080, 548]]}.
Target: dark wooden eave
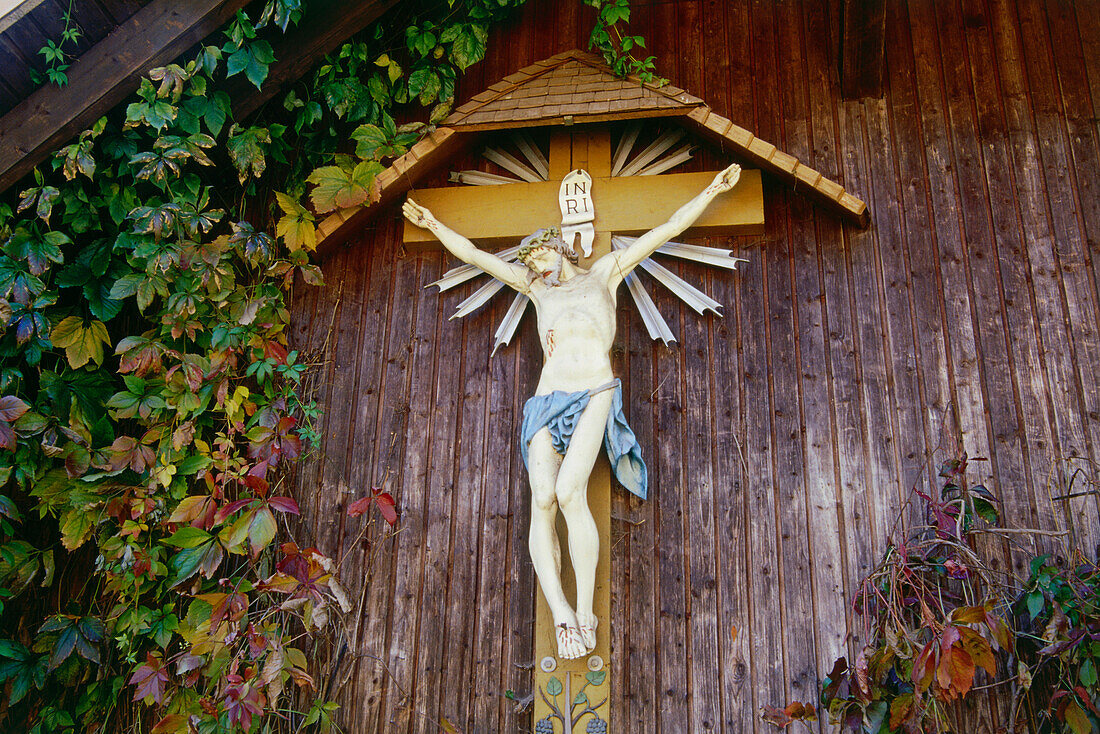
{"points": [[158, 33], [102, 77]]}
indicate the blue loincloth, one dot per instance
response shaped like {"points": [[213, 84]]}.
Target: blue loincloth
{"points": [[559, 411]]}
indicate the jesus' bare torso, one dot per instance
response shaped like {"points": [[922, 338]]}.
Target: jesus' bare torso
{"points": [[576, 324]]}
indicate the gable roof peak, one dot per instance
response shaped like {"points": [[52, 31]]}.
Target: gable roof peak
{"points": [[572, 86]]}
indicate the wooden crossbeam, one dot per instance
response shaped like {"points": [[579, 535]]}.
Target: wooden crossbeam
{"points": [[626, 206], [102, 77]]}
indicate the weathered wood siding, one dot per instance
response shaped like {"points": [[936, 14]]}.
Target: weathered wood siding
{"points": [[782, 439]]}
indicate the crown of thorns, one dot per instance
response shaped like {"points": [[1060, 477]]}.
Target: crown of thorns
{"points": [[548, 238]]}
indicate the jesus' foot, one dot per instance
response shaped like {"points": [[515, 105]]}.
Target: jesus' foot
{"points": [[570, 642], [588, 623]]}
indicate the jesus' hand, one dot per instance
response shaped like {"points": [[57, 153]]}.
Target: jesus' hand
{"points": [[725, 180], [419, 215]]}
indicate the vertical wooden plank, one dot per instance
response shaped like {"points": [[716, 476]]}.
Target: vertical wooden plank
{"points": [[460, 684], [920, 256], [1020, 441], [1049, 315], [699, 483], [821, 525], [962, 353], [1078, 269], [404, 456], [635, 664], [725, 35], [372, 558], [796, 588]]}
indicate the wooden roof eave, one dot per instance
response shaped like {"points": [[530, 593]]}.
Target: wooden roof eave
{"points": [[743, 144], [507, 98]]}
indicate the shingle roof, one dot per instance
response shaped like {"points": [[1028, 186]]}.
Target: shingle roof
{"points": [[575, 87], [572, 86]]}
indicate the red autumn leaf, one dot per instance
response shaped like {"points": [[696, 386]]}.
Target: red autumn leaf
{"points": [[140, 355], [226, 510], [774, 716], [359, 506], [273, 350], [150, 678], [925, 666], [197, 510], [256, 482], [387, 507], [11, 408], [979, 649], [7, 437], [284, 504], [801, 711], [242, 702], [127, 451], [955, 674]]}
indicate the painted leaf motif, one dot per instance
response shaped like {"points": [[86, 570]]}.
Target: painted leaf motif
{"points": [[553, 686]]}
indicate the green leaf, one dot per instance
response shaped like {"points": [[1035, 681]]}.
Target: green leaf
{"points": [[580, 698], [337, 189], [82, 342], [553, 686], [37, 251], [1035, 603], [296, 227], [188, 537], [469, 47], [193, 465], [261, 531], [596, 677], [247, 148], [1087, 674]]}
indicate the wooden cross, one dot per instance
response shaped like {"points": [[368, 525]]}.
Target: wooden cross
{"points": [[631, 205]]}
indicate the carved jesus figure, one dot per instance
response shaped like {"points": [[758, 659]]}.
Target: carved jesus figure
{"points": [[577, 406]]}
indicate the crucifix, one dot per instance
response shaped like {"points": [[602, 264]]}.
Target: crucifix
{"points": [[576, 412]]}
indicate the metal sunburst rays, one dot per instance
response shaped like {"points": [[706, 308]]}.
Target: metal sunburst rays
{"points": [[531, 165]]}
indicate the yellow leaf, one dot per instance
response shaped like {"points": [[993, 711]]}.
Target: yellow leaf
{"points": [[76, 528], [82, 343], [297, 232], [383, 60], [394, 72]]}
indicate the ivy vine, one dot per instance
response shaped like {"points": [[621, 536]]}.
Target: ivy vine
{"points": [[149, 398]]}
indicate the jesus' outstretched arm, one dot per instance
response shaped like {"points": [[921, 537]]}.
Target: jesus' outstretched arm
{"points": [[507, 273], [621, 262]]}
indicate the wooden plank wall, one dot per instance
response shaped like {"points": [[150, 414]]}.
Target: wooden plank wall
{"points": [[782, 439]]}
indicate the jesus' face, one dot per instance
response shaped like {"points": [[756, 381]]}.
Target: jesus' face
{"points": [[545, 262]]}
